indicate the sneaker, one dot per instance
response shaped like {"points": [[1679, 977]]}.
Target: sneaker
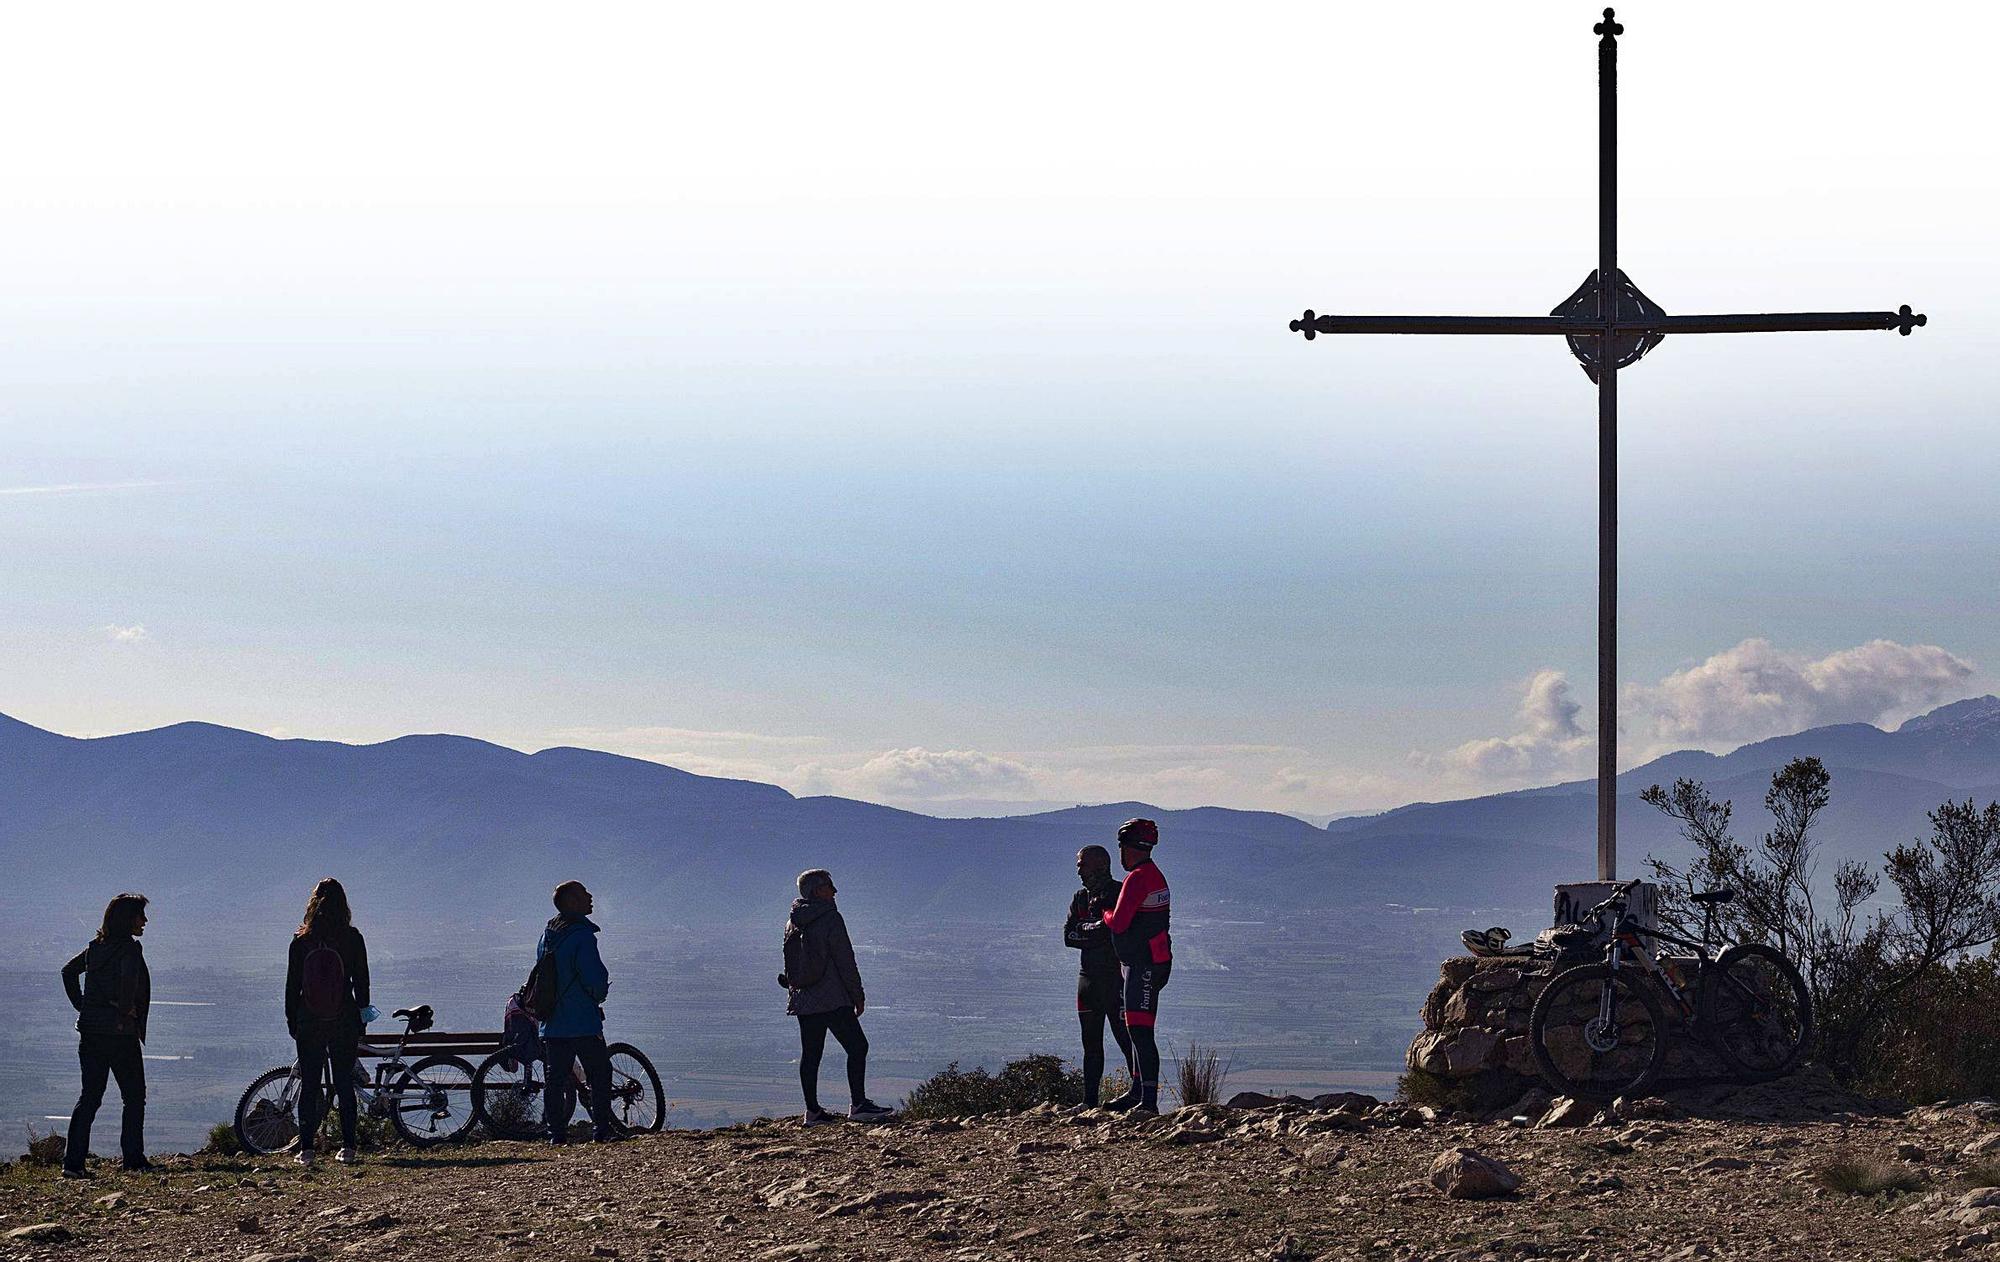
{"points": [[141, 1166], [819, 1117], [1142, 1109], [347, 1156], [869, 1111], [1122, 1103], [305, 1158], [70, 1172]]}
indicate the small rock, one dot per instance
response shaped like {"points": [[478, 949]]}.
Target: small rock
{"points": [[1567, 1111], [40, 1233], [1464, 1174], [114, 1200], [1984, 1146], [249, 1225], [1717, 1165], [603, 1251], [279, 1257], [1601, 1183], [1907, 1151]]}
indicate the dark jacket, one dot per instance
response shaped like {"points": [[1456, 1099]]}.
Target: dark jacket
{"points": [[353, 953], [826, 935], [110, 988], [1083, 930], [582, 981]]}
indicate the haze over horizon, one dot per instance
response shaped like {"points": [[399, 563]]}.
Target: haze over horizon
{"points": [[899, 405]]}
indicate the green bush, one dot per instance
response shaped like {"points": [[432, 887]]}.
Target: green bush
{"points": [[1941, 1040], [222, 1141], [1020, 1084]]}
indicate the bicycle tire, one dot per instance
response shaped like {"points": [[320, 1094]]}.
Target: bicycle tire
{"points": [[420, 1107], [259, 1134], [1757, 1056], [638, 1101], [1566, 1006], [509, 1102]]}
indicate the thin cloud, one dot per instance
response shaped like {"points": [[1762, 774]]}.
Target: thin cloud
{"points": [[133, 634], [79, 488]]}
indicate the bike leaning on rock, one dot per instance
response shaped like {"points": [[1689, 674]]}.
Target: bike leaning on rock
{"points": [[1601, 1030]]}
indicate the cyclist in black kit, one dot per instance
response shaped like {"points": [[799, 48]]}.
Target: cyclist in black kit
{"points": [[1097, 981]]}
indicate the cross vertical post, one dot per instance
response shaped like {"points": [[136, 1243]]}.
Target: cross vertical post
{"points": [[1607, 450], [1609, 325]]}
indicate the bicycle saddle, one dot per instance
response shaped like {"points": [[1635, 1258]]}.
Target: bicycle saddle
{"points": [[419, 1017], [1709, 898]]}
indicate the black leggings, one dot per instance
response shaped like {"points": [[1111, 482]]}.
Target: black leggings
{"points": [[1093, 1023], [846, 1028], [314, 1052]]}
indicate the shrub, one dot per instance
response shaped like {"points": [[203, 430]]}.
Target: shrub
{"points": [[44, 1150], [222, 1141], [1981, 1174], [1864, 960], [1200, 1077], [1420, 1086], [1020, 1084], [1860, 1177]]}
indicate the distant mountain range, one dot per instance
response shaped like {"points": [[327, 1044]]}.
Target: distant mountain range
{"points": [[225, 826]]}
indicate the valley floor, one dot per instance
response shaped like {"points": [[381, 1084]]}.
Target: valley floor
{"points": [[1201, 1184]]}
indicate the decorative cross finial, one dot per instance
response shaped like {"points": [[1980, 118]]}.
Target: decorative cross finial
{"points": [[1905, 321], [1305, 325], [1608, 28]]}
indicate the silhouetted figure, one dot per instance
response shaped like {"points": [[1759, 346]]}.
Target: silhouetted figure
{"points": [[574, 1031], [1138, 924], [326, 988], [1098, 998], [825, 987], [111, 990]]}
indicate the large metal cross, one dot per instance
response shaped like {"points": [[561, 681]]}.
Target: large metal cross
{"points": [[1609, 325]]}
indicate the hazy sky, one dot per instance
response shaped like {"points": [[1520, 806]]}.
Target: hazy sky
{"points": [[896, 400]]}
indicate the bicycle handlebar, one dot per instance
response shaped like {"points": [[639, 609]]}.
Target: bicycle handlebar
{"points": [[1617, 898]]}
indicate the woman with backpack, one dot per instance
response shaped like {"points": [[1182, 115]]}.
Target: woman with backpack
{"points": [[110, 988], [825, 988], [326, 990]]}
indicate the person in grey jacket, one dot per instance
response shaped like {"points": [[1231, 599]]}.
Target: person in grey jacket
{"points": [[109, 986], [825, 988]]}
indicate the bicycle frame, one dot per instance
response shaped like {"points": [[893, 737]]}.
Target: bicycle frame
{"points": [[1627, 949]]}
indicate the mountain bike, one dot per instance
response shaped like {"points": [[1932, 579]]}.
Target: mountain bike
{"points": [[509, 1087], [1599, 1031], [429, 1102]]}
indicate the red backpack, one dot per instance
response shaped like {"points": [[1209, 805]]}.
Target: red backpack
{"points": [[323, 981]]}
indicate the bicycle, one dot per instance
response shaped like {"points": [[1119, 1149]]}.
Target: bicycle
{"points": [[1599, 1031], [429, 1102], [508, 1090]]}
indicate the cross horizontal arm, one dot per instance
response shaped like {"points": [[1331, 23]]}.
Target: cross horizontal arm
{"points": [[1902, 320], [1789, 322], [1311, 325]]}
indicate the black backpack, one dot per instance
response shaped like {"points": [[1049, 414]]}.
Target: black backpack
{"points": [[805, 961], [542, 991]]}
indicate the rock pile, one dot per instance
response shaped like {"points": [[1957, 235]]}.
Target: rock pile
{"points": [[1475, 1037]]}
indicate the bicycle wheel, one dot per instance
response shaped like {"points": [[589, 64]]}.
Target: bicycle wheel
{"points": [[507, 1096], [638, 1103], [1596, 1033], [1756, 1011], [432, 1102], [267, 1117]]}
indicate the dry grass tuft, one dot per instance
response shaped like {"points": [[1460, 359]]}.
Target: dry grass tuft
{"points": [[1859, 1176], [1201, 1076]]}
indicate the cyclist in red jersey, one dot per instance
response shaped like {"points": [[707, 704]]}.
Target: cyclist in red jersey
{"points": [[1138, 924]]}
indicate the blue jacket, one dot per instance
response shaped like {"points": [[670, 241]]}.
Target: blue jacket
{"points": [[581, 978]]}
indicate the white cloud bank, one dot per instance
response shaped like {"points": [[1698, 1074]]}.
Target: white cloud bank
{"points": [[1747, 693], [133, 634]]}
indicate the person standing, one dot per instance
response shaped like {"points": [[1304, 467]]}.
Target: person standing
{"points": [[824, 985], [326, 988], [1138, 924], [110, 988], [574, 1030], [1098, 1001]]}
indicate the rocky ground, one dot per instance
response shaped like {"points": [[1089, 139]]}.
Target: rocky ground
{"points": [[1721, 1174]]}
